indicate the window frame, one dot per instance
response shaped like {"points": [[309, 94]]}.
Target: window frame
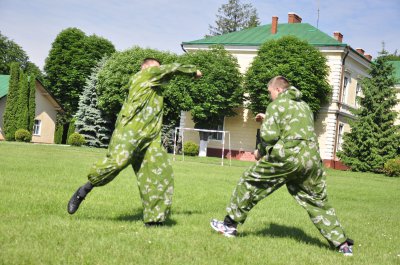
{"points": [[37, 127]]}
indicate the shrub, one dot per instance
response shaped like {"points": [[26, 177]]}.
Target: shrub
{"points": [[76, 139], [392, 167], [58, 135], [190, 149], [23, 135]]}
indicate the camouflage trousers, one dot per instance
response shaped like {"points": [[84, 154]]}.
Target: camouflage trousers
{"points": [[152, 168], [308, 187]]}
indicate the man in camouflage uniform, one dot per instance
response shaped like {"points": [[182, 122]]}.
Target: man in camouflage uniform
{"points": [[136, 141], [288, 154]]}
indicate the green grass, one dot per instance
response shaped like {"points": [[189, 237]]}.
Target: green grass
{"points": [[36, 181]]}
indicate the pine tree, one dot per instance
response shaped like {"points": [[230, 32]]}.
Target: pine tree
{"points": [[234, 16], [89, 119], [23, 99], [374, 138], [31, 103], [9, 118]]}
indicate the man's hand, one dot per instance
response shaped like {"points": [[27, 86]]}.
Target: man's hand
{"points": [[260, 117], [257, 155], [198, 74]]}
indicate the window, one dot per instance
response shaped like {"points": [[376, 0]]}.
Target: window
{"points": [[358, 94], [340, 137], [37, 127], [345, 88], [217, 135]]}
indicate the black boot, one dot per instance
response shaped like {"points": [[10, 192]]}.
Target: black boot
{"points": [[78, 197]]}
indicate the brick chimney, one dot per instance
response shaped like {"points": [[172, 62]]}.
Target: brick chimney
{"points": [[368, 56], [360, 51], [274, 26], [293, 18], [338, 36]]}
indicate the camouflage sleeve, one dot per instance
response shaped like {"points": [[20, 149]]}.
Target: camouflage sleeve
{"points": [[165, 72], [270, 131]]}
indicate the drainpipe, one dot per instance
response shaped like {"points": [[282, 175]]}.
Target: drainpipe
{"points": [[183, 48], [347, 50]]}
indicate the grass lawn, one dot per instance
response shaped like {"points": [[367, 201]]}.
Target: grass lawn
{"points": [[36, 182]]}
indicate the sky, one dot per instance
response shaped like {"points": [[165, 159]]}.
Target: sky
{"points": [[164, 25]]}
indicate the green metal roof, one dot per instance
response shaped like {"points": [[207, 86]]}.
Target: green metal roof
{"points": [[396, 65], [4, 80], [258, 35]]}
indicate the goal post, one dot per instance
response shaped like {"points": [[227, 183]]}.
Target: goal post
{"points": [[179, 131]]}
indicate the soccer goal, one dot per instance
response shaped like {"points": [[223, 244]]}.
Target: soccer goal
{"points": [[179, 136]]}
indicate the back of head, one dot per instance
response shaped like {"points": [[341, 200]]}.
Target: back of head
{"points": [[148, 62], [279, 82]]}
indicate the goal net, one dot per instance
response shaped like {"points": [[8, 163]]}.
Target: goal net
{"points": [[217, 138]]}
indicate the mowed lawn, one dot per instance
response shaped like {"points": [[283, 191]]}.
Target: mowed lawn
{"points": [[36, 182]]}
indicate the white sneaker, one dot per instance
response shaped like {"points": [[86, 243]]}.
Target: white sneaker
{"points": [[221, 228], [346, 249]]}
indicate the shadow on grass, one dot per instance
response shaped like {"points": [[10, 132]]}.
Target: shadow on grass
{"points": [[186, 212], [137, 215], [276, 230]]}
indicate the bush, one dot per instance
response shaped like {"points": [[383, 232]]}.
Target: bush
{"points": [[392, 167], [58, 135], [23, 135], [190, 149], [76, 139]]}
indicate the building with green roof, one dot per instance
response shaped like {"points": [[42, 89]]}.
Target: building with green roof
{"points": [[347, 67], [46, 111]]}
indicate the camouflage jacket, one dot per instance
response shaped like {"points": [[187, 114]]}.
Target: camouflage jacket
{"points": [[143, 108], [288, 127]]}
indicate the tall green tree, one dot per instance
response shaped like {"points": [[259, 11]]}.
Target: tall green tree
{"points": [[302, 64], [89, 119], [374, 138], [31, 102], [212, 97], [234, 16], [10, 52], [113, 78], [71, 58], [11, 108], [23, 101]]}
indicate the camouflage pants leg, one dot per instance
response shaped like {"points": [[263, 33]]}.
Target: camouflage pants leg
{"points": [[256, 183], [125, 145], [311, 195], [155, 181], [309, 190]]}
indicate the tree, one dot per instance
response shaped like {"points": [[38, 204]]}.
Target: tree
{"points": [[234, 16], [23, 101], [212, 97], [393, 57], [113, 78], [374, 139], [11, 109], [69, 63], [31, 102], [303, 65], [12, 52], [89, 119]]}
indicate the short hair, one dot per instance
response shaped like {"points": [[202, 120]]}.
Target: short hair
{"points": [[148, 59], [279, 81]]}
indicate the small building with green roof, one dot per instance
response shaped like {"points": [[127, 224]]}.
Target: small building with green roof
{"points": [[46, 111], [347, 67]]}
